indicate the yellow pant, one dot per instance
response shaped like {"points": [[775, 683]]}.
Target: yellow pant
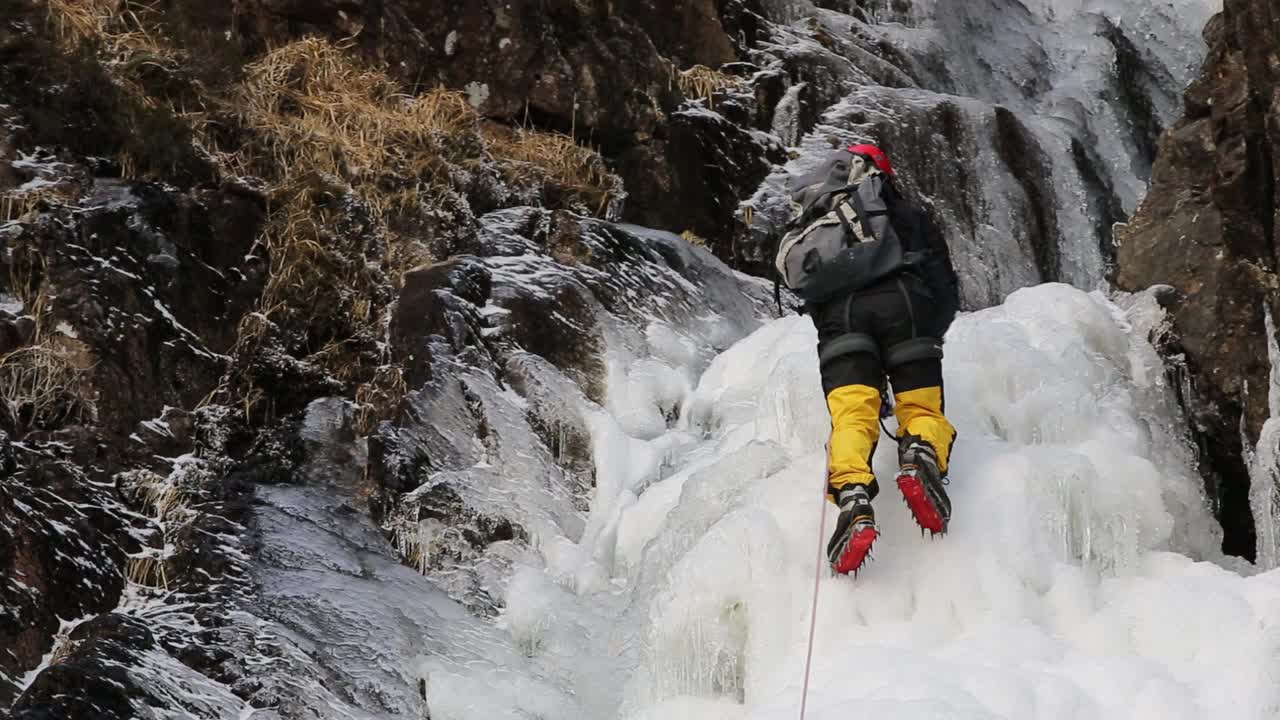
{"points": [[855, 429]]}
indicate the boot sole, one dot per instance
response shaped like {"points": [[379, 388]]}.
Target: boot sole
{"points": [[923, 508]]}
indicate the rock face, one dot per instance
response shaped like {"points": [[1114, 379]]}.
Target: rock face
{"points": [[124, 305], [120, 304], [607, 72], [1208, 229], [62, 548], [502, 346]]}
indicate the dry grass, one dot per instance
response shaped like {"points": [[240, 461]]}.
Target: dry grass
{"points": [[46, 381], [49, 381], [148, 569], [701, 81], [251, 332], [320, 278], [153, 109], [403, 212], [62, 649], [164, 499], [123, 32], [168, 500], [19, 205], [27, 268], [126, 30], [555, 160], [693, 238], [314, 271], [311, 107], [379, 399], [356, 169], [76, 21]]}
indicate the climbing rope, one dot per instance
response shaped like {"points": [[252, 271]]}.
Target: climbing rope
{"points": [[817, 578]]}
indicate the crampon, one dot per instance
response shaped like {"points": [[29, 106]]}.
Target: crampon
{"points": [[928, 502], [850, 544], [856, 551]]}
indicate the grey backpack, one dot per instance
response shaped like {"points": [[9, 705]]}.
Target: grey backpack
{"points": [[842, 239]]}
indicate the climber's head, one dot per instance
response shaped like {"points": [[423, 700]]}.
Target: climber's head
{"points": [[832, 174], [842, 168], [874, 155]]}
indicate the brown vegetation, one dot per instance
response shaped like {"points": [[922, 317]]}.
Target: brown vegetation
{"points": [[354, 171], [703, 82], [46, 381]]}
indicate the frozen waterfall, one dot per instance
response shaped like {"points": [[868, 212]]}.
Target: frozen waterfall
{"points": [[1080, 577]]}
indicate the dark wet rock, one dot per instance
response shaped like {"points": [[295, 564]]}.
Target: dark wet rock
{"points": [[140, 288], [8, 455], [690, 32], [293, 382], [1026, 160], [200, 563], [157, 442], [693, 177], [1133, 75], [71, 102], [8, 420], [15, 332], [558, 323], [63, 542], [455, 539], [121, 666], [273, 458], [439, 301], [94, 677], [554, 417], [1208, 229], [145, 285], [163, 659], [553, 62]]}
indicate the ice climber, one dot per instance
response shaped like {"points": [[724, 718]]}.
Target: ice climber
{"points": [[876, 277]]}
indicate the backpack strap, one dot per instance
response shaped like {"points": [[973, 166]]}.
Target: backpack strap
{"points": [[844, 221], [864, 217]]}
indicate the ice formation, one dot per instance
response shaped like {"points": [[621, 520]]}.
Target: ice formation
{"points": [[1080, 576]]}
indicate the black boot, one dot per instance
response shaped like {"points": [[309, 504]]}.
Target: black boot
{"points": [[922, 484], [850, 544]]}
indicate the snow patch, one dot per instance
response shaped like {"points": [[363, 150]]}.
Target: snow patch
{"points": [[11, 304], [477, 93], [37, 184]]}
